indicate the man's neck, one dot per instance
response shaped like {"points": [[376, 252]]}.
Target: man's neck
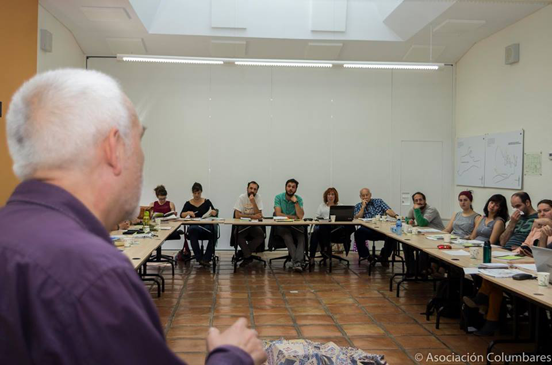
{"points": [[288, 197], [87, 198]]}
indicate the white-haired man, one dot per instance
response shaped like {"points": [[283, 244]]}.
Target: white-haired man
{"points": [[68, 295]]}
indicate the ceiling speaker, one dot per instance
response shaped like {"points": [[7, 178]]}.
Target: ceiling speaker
{"points": [[512, 54]]}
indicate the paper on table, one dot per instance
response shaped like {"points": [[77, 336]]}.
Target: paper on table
{"points": [[471, 270], [428, 230], [208, 214], [510, 257], [439, 237], [457, 253], [500, 253], [499, 273], [162, 228], [532, 267]]}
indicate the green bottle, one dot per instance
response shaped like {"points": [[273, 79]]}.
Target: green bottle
{"points": [[487, 252]]}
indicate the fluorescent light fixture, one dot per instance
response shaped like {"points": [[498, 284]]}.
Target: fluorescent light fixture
{"points": [[283, 64], [169, 59], [395, 66], [280, 63]]}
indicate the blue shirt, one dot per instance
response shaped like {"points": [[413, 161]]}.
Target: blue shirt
{"points": [[68, 296], [287, 206], [373, 208]]}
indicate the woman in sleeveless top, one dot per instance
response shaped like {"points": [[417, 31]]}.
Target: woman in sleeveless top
{"points": [[162, 205], [490, 226], [462, 223], [198, 207]]}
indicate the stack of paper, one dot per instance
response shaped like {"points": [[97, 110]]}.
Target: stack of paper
{"points": [[457, 253], [500, 273]]}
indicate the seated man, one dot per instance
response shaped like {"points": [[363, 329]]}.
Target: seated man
{"points": [[521, 221], [288, 204], [68, 295], [423, 215], [368, 208], [249, 205]]}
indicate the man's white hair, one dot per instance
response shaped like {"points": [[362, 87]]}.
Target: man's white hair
{"points": [[56, 118]]}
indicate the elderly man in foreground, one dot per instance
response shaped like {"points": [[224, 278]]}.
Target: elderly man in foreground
{"points": [[68, 296]]}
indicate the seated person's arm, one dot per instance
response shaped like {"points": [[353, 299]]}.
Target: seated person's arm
{"points": [[419, 217], [173, 209], [391, 213], [299, 210], [473, 235], [498, 229], [448, 228], [545, 233]]}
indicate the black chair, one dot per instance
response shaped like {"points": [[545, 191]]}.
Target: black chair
{"points": [[238, 255], [338, 235], [276, 242], [216, 234]]}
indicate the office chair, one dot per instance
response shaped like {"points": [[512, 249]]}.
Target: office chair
{"points": [[338, 235], [275, 242], [238, 255], [216, 236]]}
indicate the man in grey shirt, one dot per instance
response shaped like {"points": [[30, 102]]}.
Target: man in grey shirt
{"points": [[424, 216]]}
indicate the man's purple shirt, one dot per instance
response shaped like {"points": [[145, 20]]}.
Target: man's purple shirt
{"points": [[68, 296]]}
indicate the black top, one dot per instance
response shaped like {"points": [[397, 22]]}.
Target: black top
{"points": [[198, 211]]}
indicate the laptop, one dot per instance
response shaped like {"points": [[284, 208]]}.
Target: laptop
{"points": [[343, 213], [543, 260]]}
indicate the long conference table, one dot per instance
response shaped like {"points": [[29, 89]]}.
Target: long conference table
{"points": [[529, 289]]}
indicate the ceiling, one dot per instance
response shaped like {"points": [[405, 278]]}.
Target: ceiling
{"points": [[352, 30]]}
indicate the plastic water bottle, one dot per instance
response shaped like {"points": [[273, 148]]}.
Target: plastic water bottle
{"points": [[487, 252], [398, 227], [146, 222]]}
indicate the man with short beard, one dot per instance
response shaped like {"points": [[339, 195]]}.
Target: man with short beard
{"points": [[249, 205], [288, 204]]}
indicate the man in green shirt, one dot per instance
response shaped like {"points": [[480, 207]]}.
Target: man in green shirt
{"points": [[521, 221], [290, 205]]}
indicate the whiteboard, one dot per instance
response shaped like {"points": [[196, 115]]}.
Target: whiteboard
{"points": [[470, 161], [504, 160]]}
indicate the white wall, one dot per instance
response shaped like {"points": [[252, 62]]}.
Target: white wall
{"points": [[493, 97], [65, 53], [223, 126]]}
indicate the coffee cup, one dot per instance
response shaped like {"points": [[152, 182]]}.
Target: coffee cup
{"points": [[447, 238], [415, 230], [332, 218], [474, 253]]}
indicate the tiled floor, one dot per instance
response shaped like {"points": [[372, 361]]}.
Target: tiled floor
{"points": [[347, 307]]}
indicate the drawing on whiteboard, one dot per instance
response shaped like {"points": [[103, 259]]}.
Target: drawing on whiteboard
{"points": [[505, 165], [467, 162]]}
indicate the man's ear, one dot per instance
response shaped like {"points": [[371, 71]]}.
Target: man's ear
{"points": [[114, 151]]}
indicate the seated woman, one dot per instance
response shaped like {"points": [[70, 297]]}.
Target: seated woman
{"points": [[197, 207], [489, 228], [541, 233], [162, 206], [462, 223], [322, 234]]}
